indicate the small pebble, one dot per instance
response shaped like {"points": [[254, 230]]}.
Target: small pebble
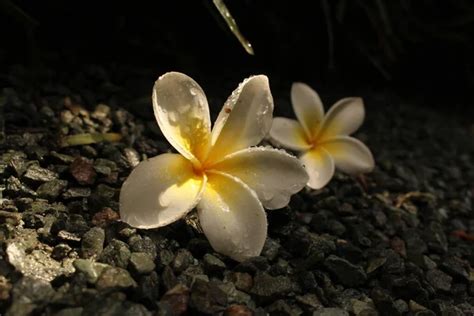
{"points": [[141, 263], [83, 171], [213, 264], [60, 251], [115, 277], [36, 173], [116, 253], [346, 272], [92, 243], [176, 299], [104, 217]]}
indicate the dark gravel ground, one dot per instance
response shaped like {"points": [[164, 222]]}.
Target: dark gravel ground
{"points": [[398, 241]]}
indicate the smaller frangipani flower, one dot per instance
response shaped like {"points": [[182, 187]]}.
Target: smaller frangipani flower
{"points": [[216, 170], [323, 139]]}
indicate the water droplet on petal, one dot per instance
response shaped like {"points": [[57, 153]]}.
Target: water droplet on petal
{"points": [[172, 117], [166, 197], [184, 108], [267, 195]]}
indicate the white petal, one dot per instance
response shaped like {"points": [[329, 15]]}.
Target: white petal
{"points": [[182, 113], [160, 191], [273, 174], [350, 155], [319, 166], [289, 134], [308, 107], [232, 217], [245, 118], [344, 118]]}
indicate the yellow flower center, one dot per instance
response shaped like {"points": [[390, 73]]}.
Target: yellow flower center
{"points": [[313, 142], [200, 167], [199, 170]]}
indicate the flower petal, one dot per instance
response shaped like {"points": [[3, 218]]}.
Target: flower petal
{"points": [[308, 107], [344, 118], [232, 217], [319, 166], [160, 191], [245, 118], [350, 155], [289, 134], [273, 174], [182, 113]]}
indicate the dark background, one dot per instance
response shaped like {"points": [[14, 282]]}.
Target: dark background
{"points": [[420, 50]]}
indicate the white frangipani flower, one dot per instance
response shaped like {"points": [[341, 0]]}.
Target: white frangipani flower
{"points": [[214, 170], [323, 139]]}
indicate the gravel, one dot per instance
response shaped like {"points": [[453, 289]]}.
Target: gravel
{"points": [[268, 287], [115, 278], [36, 173], [117, 253], [348, 274], [82, 169], [397, 241], [141, 263], [92, 243]]}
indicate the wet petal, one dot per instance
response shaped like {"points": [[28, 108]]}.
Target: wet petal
{"points": [[232, 217], [182, 113], [344, 118], [160, 191], [308, 107], [289, 134], [350, 155], [245, 118], [320, 167], [273, 174]]}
